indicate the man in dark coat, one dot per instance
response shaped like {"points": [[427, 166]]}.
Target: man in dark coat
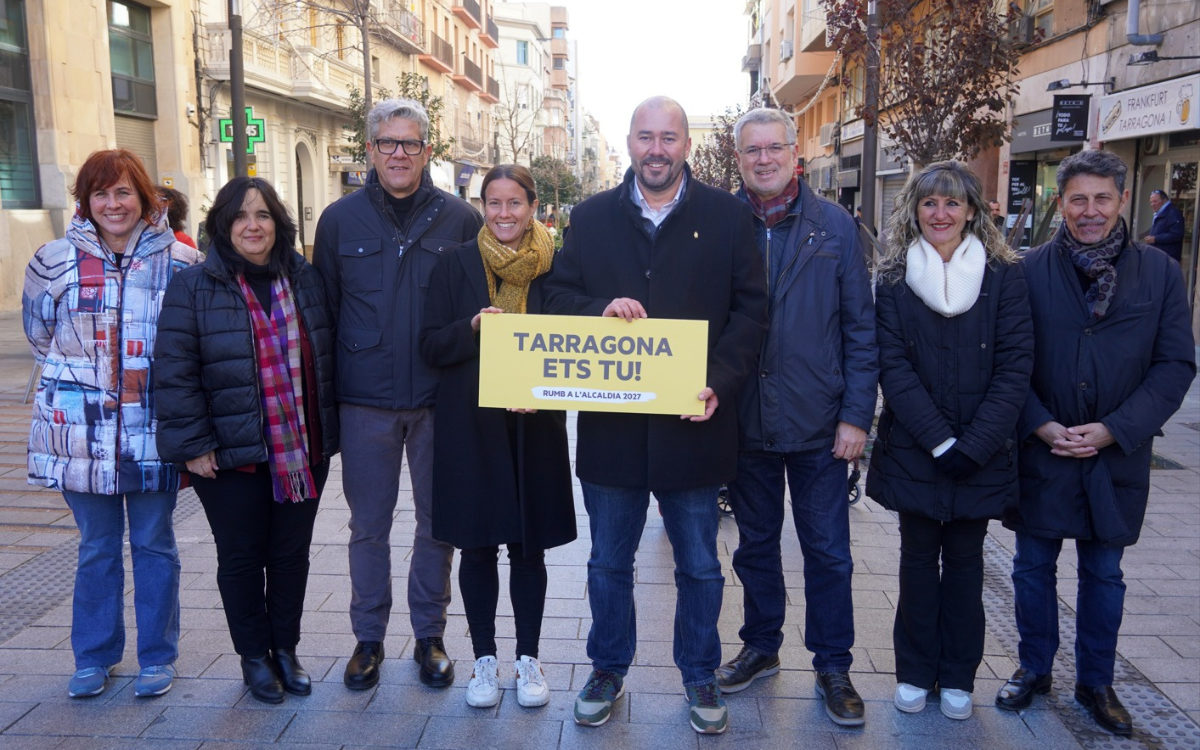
{"points": [[1113, 359], [376, 249], [805, 412], [661, 244], [1166, 231]]}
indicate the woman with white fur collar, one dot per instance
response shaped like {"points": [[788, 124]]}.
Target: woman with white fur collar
{"points": [[956, 352]]}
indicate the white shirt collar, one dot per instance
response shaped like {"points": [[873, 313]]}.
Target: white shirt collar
{"points": [[656, 215]]}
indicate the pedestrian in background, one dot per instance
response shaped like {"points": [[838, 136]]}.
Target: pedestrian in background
{"points": [[177, 213], [245, 369], [499, 477], [1113, 360], [955, 354], [91, 304], [376, 249], [1166, 231], [661, 244], [803, 413]]}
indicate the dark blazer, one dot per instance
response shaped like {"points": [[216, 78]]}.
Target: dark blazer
{"points": [[376, 275], [498, 477], [702, 263], [818, 364], [206, 374], [1129, 370], [964, 377], [1167, 230]]}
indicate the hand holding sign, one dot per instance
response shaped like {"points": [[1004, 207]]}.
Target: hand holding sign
{"points": [[625, 307], [484, 311]]}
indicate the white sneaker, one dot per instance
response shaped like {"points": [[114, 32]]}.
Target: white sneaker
{"points": [[531, 683], [956, 704], [483, 691], [910, 699]]}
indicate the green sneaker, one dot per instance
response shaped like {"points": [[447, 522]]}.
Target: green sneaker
{"points": [[707, 711], [595, 701]]}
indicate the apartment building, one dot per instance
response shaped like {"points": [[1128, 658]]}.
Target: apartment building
{"points": [[77, 77]]}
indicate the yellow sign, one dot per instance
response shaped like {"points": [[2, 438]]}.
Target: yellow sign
{"points": [[649, 366]]}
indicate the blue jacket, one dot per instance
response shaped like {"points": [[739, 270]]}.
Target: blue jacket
{"points": [[1167, 231], [376, 277], [818, 364], [1129, 370]]}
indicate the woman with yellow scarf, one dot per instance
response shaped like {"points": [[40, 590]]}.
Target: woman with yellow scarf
{"points": [[499, 476]]}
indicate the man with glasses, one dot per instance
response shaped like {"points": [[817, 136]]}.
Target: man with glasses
{"points": [[376, 249], [804, 413]]}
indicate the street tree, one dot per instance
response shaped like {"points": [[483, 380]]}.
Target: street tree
{"points": [[948, 72], [517, 117], [554, 177], [715, 160]]}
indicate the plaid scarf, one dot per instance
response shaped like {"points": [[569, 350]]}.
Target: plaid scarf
{"points": [[516, 269], [774, 210], [1096, 262], [277, 345]]}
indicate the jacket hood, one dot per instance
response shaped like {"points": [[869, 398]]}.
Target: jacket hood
{"points": [[152, 238]]}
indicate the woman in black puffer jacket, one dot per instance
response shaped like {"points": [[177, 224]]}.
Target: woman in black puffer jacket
{"points": [[955, 339], [244, 370]]}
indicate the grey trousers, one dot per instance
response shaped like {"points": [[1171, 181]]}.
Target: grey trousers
{"points": [[373, 444]]}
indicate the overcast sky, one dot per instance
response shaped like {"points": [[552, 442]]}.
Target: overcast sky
{"points": [[629, 50]]}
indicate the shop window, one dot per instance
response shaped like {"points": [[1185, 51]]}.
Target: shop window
{"points": [[18, 168], [131, 54]]}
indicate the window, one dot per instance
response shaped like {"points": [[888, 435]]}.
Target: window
{"points": [[522, 52], [852, 94], [560, 63], [1042, 12], [18, 173], [131, 53], [560, 33], [375, 68]]}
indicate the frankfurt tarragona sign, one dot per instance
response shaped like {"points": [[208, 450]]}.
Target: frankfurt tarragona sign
{"points": [[1160, 108]]}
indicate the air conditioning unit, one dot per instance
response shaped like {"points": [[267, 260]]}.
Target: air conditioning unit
{"points": [[785, 51], [827, 131], [1023, 31]]}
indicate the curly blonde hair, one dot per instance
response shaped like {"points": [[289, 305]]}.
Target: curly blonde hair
{"points": [[950, 179]]}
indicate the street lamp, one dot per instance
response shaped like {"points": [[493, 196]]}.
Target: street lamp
{"points": [[1147, 58], [1065, 83]]}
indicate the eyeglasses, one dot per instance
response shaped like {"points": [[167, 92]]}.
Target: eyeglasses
{"points": [[775, 149], [387, 146]]}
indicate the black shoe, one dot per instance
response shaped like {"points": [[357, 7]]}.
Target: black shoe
{"points": [[842, 701], [260, 676], [745, 668], [295, 680], [436, 668], [1018, 692], [1105, 708], [362, 671]]}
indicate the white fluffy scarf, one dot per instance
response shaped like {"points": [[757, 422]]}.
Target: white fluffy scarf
{"points": [[949, 288]]}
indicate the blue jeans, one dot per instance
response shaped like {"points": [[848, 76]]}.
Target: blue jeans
{"points": [[98, 607], [616, 516], [1099, 606], [821, 511]]}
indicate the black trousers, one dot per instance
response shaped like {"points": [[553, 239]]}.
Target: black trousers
{"points": [[262, 555], [939, 627], [479, 582]]}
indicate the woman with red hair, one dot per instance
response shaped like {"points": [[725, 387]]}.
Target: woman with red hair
{"points": [[91, 303]]}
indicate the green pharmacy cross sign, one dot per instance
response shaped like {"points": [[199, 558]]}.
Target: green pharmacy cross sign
{"points": [[256, 131]]}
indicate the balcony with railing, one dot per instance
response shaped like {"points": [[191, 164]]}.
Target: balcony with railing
{"points": [[440, 55], [490, 35], [300, 72], [492, 91], [469, 144], [402, 27], [471, 76], [559, 47], [468, 12]]}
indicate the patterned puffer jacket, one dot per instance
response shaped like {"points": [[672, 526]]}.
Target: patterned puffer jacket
{"points": [[93, 323]]}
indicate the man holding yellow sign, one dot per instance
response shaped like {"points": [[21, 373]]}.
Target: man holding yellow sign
{"points": [[661, 246]]}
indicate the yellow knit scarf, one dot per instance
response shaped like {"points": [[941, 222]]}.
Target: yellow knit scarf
{"points": [[515, 268]]}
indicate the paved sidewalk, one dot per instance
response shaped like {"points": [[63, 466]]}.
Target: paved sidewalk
{"points": [[1158, 670]]}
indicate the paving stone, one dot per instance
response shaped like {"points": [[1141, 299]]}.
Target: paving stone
{"points": [[87, 718], [190, 722], [451, 733], [352, 728]]}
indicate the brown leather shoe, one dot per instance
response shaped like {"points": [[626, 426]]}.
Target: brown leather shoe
{"points": [[842, 702], [1105, 708]]}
